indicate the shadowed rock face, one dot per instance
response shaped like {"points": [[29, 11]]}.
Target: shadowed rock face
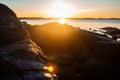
{"points": [[11, 29], [20, 58], [83, 55]]}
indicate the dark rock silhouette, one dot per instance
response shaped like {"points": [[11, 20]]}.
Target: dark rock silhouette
{"points": [[20, 58], [11, 29], [4, 9], [114, 32]]}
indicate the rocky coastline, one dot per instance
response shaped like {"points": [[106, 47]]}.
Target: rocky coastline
{"points": [[80, 54]]}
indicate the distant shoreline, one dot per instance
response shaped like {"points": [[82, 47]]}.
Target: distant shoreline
{"points": [[39, 18]]}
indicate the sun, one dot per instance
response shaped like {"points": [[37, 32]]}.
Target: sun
{"points": [[62, 21], [61, 10]]}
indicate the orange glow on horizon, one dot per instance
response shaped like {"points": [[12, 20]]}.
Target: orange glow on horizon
{"points": [[65, 8]]}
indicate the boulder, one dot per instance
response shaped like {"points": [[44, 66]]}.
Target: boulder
{"points": [[20, 58]]}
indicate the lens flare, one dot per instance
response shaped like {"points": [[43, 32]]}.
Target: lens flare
{"points": [[51, 68]]}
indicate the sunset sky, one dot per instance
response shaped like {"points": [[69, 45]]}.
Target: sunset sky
{"points": [[65, 8]]}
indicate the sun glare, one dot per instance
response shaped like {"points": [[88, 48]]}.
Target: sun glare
{"points": [[61, 9]]}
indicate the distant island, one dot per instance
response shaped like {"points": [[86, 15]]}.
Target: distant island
{"points": [[70, 18]]}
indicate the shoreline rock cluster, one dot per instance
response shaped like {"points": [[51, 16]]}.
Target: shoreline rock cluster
{"points": [[79, 54]]}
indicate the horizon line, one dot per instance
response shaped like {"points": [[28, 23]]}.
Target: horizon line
{"points": [[63, 18]]}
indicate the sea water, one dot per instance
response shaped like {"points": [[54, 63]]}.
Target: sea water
{"points": [[84, 24]]}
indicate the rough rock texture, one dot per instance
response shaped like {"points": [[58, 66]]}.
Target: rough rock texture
{"points": [[20, 58]]}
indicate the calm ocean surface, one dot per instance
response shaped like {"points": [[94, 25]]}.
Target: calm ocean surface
{"points": [[84, 24]]}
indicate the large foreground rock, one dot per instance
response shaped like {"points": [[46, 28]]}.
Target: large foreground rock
{"points": [[20, 58]]}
